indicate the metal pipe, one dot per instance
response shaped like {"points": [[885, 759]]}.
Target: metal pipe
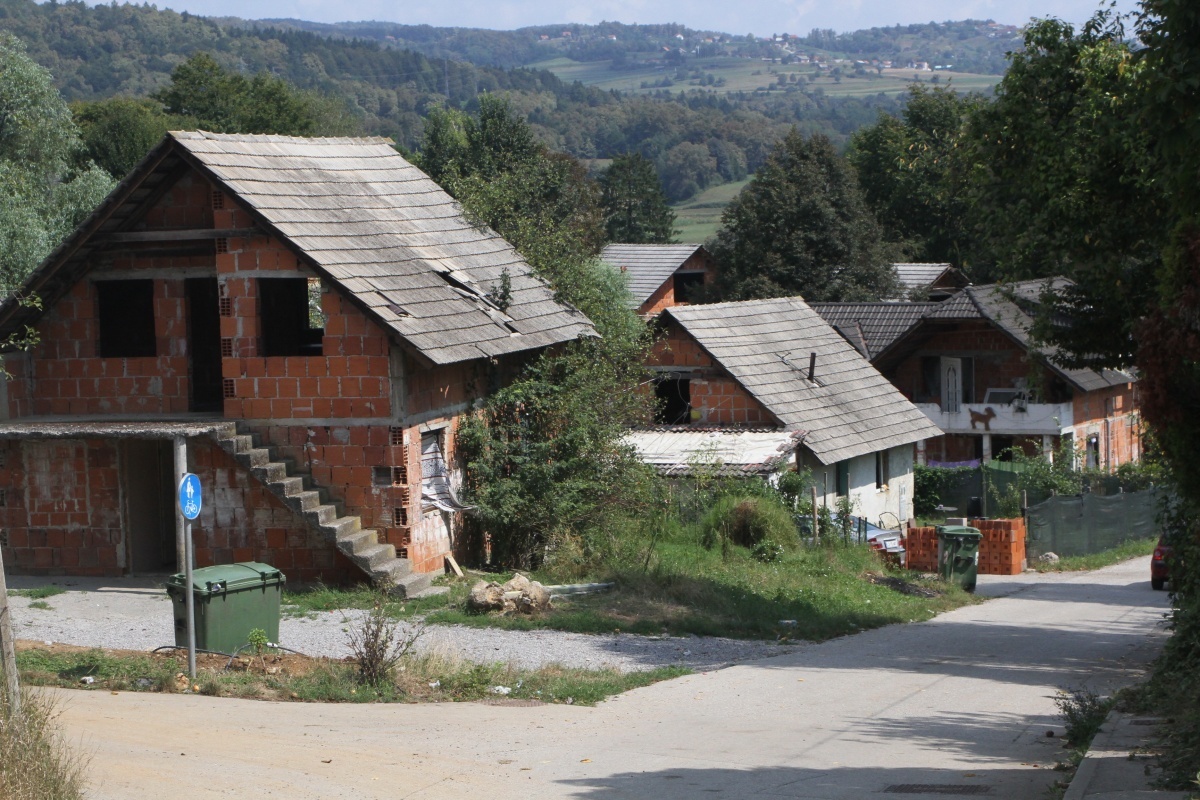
{"points": [[180, 471]]}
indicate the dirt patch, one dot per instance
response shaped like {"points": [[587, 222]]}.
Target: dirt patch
{"points": [[902, 586]]}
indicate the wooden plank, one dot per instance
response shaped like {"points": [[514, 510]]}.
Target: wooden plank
{"points": [[185, 235]]}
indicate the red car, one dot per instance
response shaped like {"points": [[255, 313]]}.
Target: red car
{"points": [[1159, 574]]}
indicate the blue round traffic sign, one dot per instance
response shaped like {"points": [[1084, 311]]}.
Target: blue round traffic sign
{"points": [[189, 496]]}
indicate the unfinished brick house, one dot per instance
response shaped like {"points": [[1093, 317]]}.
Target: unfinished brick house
{"points": [[970, 364], [661, 275], [310, 316]]}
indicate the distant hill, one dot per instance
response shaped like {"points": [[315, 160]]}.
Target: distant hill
{"points": [[705, 107]]}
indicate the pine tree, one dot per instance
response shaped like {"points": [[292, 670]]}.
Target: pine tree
{"points": [[635, 208]]}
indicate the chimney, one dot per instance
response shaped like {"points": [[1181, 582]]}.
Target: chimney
{"points": [[812, 366]]}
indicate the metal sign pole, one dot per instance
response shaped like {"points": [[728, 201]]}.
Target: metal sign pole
{"points": [[190, 501], [191, 604]]}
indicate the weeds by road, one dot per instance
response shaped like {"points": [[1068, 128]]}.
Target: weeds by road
{"points": [[1134, 548], [35, 761], [424, 678]]}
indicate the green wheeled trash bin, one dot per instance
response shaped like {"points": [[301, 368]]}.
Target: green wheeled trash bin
{"points": [[958, 554], [231, 600]]}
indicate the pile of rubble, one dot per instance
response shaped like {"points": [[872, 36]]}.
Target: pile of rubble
{"points": [[519, 595]]}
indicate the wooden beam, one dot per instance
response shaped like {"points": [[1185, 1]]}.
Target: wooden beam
{"points": [[185, 235]]}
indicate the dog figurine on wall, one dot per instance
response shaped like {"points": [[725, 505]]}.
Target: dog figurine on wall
{"points": [[986, 418]]}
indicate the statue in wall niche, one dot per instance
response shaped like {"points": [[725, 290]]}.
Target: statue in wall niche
{"points": [[986, 418]]}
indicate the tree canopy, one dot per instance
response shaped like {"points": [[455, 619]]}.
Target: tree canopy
{"points": [[801, 226], [635, 208], [46, 189]]}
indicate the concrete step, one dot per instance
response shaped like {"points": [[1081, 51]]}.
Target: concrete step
{"points": [[362, 546]]}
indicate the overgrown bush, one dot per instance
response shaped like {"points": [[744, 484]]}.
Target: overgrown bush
{"points": [[762, 524], [35, 762], [929, 484], [377, 643]]}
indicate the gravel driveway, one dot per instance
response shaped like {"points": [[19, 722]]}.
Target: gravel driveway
{"points": [[135, 614]]}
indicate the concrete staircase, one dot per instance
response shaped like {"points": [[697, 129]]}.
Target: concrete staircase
{"points": [[379, 561]]}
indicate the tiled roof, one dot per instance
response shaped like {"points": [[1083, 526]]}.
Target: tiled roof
{"points": [[848, 410], [647, 266], [880, 324], [368, 221]]}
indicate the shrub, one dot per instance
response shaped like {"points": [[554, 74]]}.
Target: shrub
{"points": [[750, 521]]}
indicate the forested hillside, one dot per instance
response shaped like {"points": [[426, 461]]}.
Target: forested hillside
{"points": [[694, 139]]}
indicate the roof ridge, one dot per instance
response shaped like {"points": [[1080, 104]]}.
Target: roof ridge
{"points": [[198, 134]]}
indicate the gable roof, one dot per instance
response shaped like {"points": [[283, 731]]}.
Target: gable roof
{"points": [[1010, 307], [648, 266], [849, 410], [362, 217]]}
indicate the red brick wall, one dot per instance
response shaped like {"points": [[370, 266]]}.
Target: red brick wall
{"points": [[1112, 415], [664, 296], [719, 398], [62, 514]]}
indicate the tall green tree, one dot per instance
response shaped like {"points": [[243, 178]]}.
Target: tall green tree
{"points": [[118, 132], [46, 189], [544, 457], [910, 172], [801, 226], [1064, 180], [203, 94], [635, 208]]}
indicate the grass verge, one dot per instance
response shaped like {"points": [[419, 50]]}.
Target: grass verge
{"points": [[1083, 712], [425, 678], [1106, 558], [37, 592]]}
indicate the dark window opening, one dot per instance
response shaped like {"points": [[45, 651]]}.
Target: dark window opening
{"points": [[882, 469], [1092, 453], [126, 314], [289, 325], [968, 380], [842, 478], [931, 380], [674, 401], [1002, 448], [688, 286]]}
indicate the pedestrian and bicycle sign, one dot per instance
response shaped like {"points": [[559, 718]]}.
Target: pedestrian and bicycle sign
{"points": [[189, 496]]}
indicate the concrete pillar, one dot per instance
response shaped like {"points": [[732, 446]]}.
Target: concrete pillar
{"points": [[180, 524], [921, 456], [987, 447]]}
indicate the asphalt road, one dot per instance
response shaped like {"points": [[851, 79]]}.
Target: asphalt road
{"points": [[956, 704]]}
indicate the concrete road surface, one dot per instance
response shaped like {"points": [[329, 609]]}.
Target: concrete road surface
{"points": [[958, 706]]}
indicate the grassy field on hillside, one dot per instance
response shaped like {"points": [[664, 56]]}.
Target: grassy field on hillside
{"points": [[748, 75], [698, 219]]}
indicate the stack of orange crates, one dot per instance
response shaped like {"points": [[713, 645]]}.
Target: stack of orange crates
{"points": [[1002, 551], [920, 547]]}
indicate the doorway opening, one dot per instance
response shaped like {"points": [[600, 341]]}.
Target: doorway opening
{"points": [[204, 343], [147, 475]]}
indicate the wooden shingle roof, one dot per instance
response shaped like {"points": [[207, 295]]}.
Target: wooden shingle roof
{"points": [[371, 223], [848, 410], [647, 266]]}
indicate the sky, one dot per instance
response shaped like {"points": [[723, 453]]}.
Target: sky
{"points": [[760, 17]]}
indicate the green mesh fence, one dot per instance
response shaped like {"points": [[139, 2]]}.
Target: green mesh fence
{"points": [[1083, 524]]}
